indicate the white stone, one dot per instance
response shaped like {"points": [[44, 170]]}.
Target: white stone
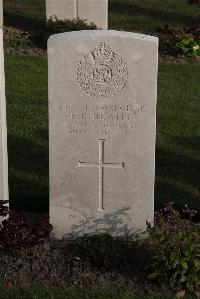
{"points": [[102, 127], [62, 9], [3, 128], [94, 11]]}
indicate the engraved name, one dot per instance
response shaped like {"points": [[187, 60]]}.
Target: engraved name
{"points": [[101, 119]]}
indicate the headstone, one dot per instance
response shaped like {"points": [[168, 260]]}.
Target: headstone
{"points": [[1, 13], [94, 11], [102, 126], [62, 9], [3, 129]]}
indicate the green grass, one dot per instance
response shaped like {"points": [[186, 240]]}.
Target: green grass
{"points": [[178, 133], [130, 15], [45, 293], [26, 90], [149, 15], [23, 14]]}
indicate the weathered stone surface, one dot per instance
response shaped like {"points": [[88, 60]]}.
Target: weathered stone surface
{"points": [[102, 125], [94, 11], [3, 129], [62, 9]]}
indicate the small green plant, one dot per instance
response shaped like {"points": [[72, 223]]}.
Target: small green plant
{"points": [[175, 250], [188, 46], [54, 26]]}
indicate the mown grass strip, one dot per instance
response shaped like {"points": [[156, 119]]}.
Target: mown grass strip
{"points": [[55, 293]]}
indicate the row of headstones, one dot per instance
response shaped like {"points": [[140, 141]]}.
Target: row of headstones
{"points": [[102, 124]]}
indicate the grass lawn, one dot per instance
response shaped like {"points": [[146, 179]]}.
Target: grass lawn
{"points": [[45, 293], [26, 90], [149, 15], [178, 133], [23, 14], [128, 15]]}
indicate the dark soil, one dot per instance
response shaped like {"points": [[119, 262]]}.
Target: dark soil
{"points": [[167, 37], [20, 42], [53, 264]]}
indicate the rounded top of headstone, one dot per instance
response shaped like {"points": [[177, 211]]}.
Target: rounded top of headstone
{"points": [[99, 33]]}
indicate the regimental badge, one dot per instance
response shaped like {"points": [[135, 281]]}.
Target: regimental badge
{"points": [[102, 73]]}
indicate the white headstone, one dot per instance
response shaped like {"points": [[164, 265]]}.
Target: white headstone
{"points": [[102, 127], [94, 11], [3, 128], [62, 9]]}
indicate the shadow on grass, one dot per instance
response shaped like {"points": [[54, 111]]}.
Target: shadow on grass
{"points": [[124, 8], [28, 174], [23, 22], [177, 175]]}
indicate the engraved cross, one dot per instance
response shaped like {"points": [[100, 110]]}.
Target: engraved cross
{"points": [[101, 165]]}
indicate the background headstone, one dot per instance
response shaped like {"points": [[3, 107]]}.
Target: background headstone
{"points": [[3, 128], [102, 126], [1, 13], [94, 11], [62, 9]]}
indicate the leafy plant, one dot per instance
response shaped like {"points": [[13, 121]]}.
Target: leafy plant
{"points": [[175, 249], [54, 26], [188, 46]]}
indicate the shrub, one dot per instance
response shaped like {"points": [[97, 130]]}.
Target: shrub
{"points": [[188, 46], [175, 249], [55, 26], [180, 41]]}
